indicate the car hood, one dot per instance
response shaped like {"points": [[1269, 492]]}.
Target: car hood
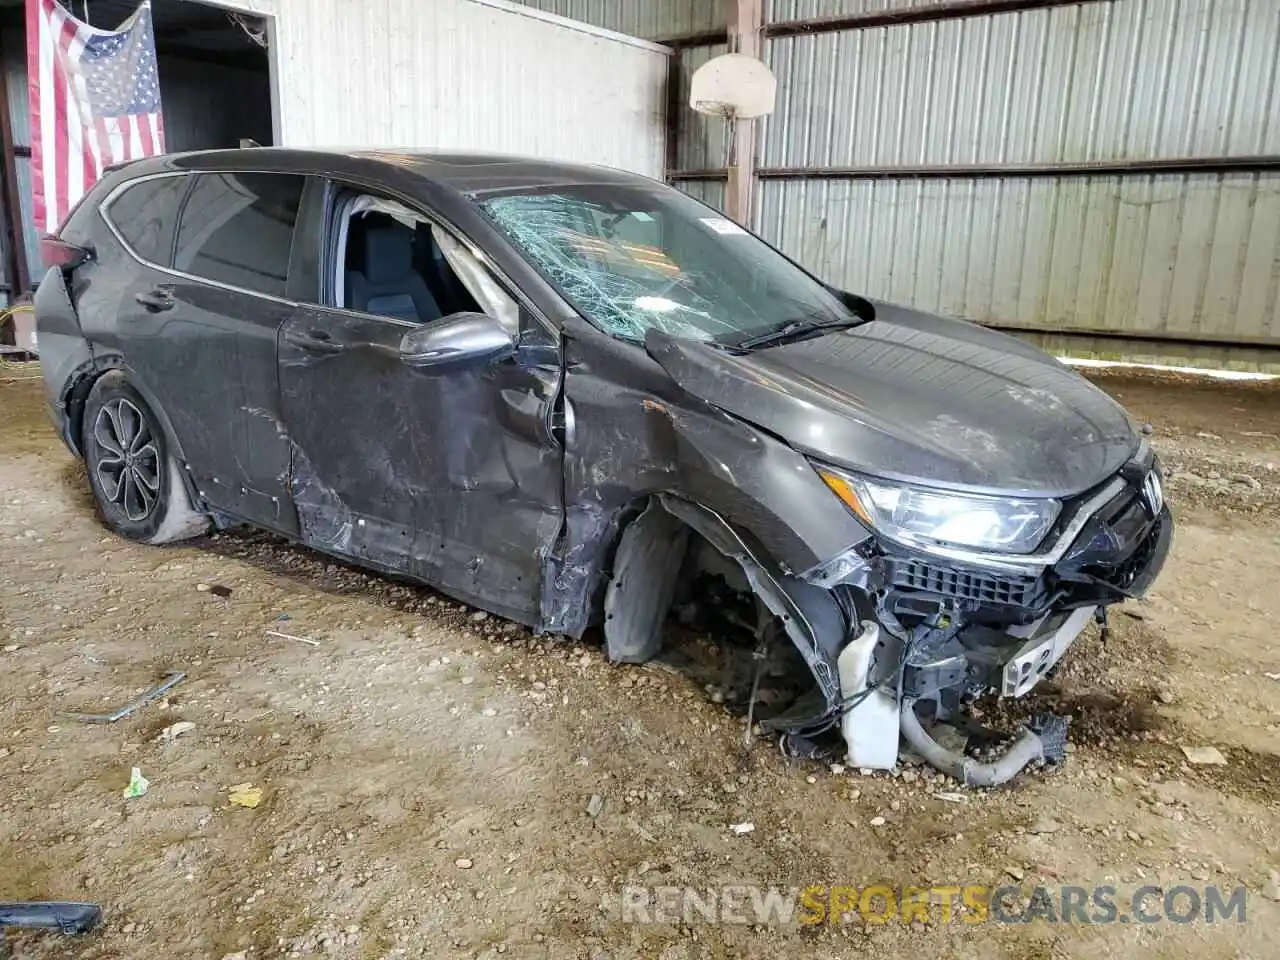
{"points": [[912, 396]]}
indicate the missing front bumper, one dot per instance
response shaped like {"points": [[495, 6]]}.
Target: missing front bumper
{"points": [[958, 631]]}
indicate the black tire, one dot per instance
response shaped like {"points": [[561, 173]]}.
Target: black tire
{"points": [[136, 481]]}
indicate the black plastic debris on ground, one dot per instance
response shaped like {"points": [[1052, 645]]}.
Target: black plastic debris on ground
{"points": [[65, 917]]}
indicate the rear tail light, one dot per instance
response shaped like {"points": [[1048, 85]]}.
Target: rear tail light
{"points": [[56, 252]]}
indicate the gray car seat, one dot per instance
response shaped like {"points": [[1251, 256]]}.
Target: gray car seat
{"points": [[388, 285]]}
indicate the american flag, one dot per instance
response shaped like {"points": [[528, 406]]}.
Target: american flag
{"points": [[95, 101]]}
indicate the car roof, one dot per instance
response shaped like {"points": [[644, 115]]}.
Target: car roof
{"points": [[479, 173], [469, 173]]}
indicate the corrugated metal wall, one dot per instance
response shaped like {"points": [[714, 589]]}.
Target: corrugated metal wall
{"points": [[1134, 79], [1184, 255], [13, 60], [708, 191], [701, 141], [464, 74], [1192, 255], [654, 19]]}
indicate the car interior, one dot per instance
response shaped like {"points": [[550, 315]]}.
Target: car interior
{"points": [[396, 270]]}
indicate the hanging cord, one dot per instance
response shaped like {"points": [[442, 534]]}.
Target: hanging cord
{"points": [[258, 36], [892, 683], [764, 626]]}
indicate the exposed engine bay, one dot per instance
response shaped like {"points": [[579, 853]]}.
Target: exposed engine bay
{"points": [[897, 638]]}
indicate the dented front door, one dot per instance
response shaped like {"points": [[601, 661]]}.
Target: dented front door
{"points": [[452, 478]]}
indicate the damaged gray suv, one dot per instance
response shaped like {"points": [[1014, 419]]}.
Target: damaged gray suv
{"points": [[575, 397]]}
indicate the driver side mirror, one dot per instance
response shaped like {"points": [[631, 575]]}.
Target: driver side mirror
{"points": [[458, 340]]}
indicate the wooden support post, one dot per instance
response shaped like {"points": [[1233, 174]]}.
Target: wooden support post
{"points": [[746, 22], [675, 106]]}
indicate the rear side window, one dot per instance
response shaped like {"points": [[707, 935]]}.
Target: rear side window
{"points": [[237, 229], [146, 213]]}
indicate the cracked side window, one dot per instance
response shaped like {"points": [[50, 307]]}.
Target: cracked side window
{"points": [[632, 258]]}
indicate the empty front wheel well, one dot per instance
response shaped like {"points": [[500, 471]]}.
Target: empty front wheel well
{"points": [[655, 550]]}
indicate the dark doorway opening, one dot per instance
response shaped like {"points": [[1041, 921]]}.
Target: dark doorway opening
{"points": [[215, 74], [216, 89]]}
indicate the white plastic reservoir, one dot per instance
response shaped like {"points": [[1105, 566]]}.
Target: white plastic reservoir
{"points": [[870, 729]]}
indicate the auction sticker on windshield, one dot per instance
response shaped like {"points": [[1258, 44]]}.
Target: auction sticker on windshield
{"points": [[721, 225]]}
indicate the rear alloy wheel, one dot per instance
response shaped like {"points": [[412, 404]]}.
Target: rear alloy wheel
{"points": [[128, 467], [135, 480]]}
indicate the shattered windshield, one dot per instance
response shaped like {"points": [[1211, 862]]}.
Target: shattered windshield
{"points": [[631, 258]]}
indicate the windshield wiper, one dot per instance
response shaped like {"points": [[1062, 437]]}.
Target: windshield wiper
{"points": [[795, 330]]}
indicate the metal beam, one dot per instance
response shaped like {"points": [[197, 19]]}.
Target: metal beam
{"points": [[683, 176], [704, 38], [1153, 336], [1098, 168], [947, 10]]}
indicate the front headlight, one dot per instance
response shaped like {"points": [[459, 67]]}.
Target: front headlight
{"points": [[924, 517]]}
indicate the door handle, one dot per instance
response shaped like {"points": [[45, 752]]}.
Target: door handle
{"points": [[526, 413], [532, 415], [156, 300], [314, 341]]}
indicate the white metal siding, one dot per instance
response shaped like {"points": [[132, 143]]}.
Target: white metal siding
{"points": [[1183, 255], [655, 19], [457, 74]]}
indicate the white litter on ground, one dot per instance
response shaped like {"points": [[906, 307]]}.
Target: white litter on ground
{"points": [[1167, 368], [1204, 755]]}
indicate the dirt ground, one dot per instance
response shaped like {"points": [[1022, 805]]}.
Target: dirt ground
{"points": [[427, 770]]}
